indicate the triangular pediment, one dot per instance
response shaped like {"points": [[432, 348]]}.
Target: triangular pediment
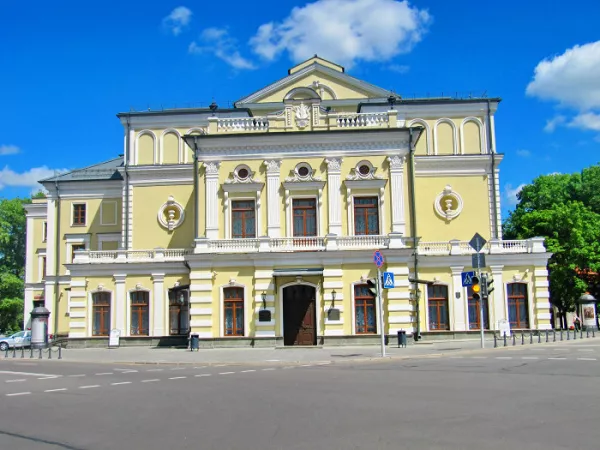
{"points": [[327, 79]]}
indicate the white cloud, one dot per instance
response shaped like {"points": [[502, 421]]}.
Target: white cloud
{"points": [[399, 68], [523, 153], [551, 124], [510, 193], [586, 121], [29, 178], [219, 42], [344, 31], [177, 20], [571, 78], [9, 150]]}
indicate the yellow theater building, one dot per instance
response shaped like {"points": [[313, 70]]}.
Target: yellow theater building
{"points": [[256, 225]]}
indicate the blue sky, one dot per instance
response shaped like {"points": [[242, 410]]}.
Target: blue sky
{"points": [[68, 67]]}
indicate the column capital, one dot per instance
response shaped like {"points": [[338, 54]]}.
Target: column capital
{"points": [[457, 270], [158, 277], [212, 168], [120, 278], [396, 162], [334, 165], [273, 166], [497, 269]]}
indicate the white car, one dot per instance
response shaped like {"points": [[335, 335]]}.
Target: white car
{"points": [[19, 339]]}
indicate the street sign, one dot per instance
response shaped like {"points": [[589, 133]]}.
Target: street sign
{"points": [[478, 260], [477, 242], [388, 280], [467, 278], [378, 258]]}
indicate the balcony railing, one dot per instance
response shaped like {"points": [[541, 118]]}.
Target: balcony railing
{"points": [[242, 124], [307, 244], [362, 120]]}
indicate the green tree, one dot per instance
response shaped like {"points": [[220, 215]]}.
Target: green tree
{"points": [[565, 209]]}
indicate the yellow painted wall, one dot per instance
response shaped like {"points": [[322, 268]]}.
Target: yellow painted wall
{"points": [[471, 138], [145, 149], [170, 150], [148, 233], [445, 139]]}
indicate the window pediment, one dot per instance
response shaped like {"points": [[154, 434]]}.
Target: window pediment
{"points": [[377, 183]]}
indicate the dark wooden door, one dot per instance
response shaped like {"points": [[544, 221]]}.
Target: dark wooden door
{"points": [[299, 315]]}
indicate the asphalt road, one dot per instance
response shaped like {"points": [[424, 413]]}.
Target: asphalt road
{"points": [[529, 397]]}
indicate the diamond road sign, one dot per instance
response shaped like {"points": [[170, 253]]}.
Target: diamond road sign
{"points": [[378, 258], [388, 280], [467, 278], [477, 242], [478, 260]]}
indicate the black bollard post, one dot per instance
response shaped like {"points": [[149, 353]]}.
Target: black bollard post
{"points": [[581, 333], [531, 337], [40, 357], [546, 336], [22, 352], [593, 333], [568, 335], [574, 334], [522, 338], [505, 339], [553, 335], [514, 339], [30, 352], [539, 337], [587, 333], [49, 352], [6, 353], [15, 351], [495, 341], [59, 352]]}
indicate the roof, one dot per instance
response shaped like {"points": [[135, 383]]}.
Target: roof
{"points": [[107, 170]]}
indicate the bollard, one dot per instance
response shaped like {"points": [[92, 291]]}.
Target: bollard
{"points": [[540, 338], [22, 352], [505, 339], [59, 352], [15, 351], [522, 338], [30, 352], [495, 341], [553, 335], [587, 333], [574, 334], [49, 352], [514, 339], [581, 333], [531, 337], [6, 353], [568, 335], [40, 357], [593, 333], [546, 336]]}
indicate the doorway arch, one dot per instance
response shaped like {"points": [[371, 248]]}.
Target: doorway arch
{"points": [[299, 319]]}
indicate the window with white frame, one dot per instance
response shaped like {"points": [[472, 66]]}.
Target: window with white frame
{"points": [[44, 231], [366, 215], [243, 219], [79, 214], [233, 311], [304, 217]]}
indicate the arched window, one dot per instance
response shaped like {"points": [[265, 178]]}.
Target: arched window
{"points": [[364, 310], [233, 313], [437, 299], [474, 316], [140, 313], [179, 312], [100, 313], [518, 307]]}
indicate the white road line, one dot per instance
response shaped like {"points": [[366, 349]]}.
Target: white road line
{"points": [[47, 378], [55, 390], [306, 365], [585, 350], [219, 365], [203, 375], [121, 382], [105, 373], [323, 363], [178, 368], [503, 357], [456, 357], [530, 357], [78, 375], [18, 393], [8, 372], [15, 381], [201, 367], [90, 386], [246, 371], [272, 360], [479, 357], [587, 359], [226, 373], [149, 381], [129, 371], [557, 358], [176, 378], [270, 368], [154, 370]]}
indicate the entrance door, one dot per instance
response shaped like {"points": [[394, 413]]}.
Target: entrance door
{"points": [[299, 315]]}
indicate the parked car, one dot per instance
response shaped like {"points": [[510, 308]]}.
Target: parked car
{"points": [[19, 339]]}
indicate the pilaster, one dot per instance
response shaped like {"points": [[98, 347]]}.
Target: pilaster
{"points": [[334, 182], [498, 308], [273, 200], [77, 309], [333, 281], [201, 303], [396, 164], [211, 180], [120, 302], [264, 283], [542, 319], [158, 308], [51, 239], [459, 301], [400, 309]]}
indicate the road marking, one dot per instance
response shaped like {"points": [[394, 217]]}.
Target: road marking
{"points": [[530, 357], [178, 368], [90, 386], [203, 375], [55, 390], [154, 370], [15, 381], [323, 363], [587, 359], [557, 358], [121, 382], [201, 367], [176, 378], [584, 350], [105, 373], [270, 368], [479, 357], [129, 371], [226, 373], [8, 372], [18, 393], [272, 360], [456, 357], [78, 375], [47, 378], [149, 381], [503, 357], [219, 365], [246, 371], [306, 365]]}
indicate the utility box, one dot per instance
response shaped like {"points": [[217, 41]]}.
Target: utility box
{"points": [[402, 338], [194, 342], [39, 327]]}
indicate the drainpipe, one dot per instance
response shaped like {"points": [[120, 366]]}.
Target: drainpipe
{"points": [[495, 232], [56, 258], [413, 227], [126, 163]]}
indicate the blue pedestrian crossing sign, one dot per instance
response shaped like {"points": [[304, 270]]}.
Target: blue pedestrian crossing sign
{"points": [[467, 278], [388, 280]]}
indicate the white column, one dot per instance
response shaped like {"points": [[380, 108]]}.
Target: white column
{"points": [[397, 193], [50, 256], [334, 182], [259, 228], [498, 308], [158, 280], [27, 307], [459, 313], [211, 179], [29, 276], [120, 303], [273, 201]]}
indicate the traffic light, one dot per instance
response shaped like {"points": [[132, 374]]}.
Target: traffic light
{"points": [[476, 287], [489, 285], [372, 286]]}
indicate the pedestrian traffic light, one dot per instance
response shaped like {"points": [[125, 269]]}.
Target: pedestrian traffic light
{"points": [[372, 286], [476, 287]]}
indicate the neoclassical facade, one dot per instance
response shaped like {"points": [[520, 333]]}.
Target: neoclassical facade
{"points": [[256, 225]]}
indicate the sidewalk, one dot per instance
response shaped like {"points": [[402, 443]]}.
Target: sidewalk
{"points": [[260, 356]]}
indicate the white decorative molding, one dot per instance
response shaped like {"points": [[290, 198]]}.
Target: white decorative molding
{"points": [[211, 181], [396, 163], [334, 182], [273, 213], [426, 135], [480, 126], [455, 150], [302, 115], [453, 165], [241, 174], [302, 173], [171, 214], [364, 170], [448, 204], [273, 166]]}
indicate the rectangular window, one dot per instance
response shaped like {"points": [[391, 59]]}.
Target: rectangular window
{"points": [[140, 313], [74, 248], [243, 213], [474, 316], [304, 217], [179, 312], [44, 231], [365, 321], [518, 308], [366, 216], [437, 299], [101, 313], [43, 267], [79, 214], [234, 311]]}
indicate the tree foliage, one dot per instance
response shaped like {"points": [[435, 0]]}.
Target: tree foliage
{"points": [[12, 263], [565, 209]]}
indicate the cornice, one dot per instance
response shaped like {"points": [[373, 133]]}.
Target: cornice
{"points": [[454, 165], [243, 187], [109, 269], [433, 109], [85, 189], [303, 185], [161, 174], [36, 210], [375, 183], [506, 259]]}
